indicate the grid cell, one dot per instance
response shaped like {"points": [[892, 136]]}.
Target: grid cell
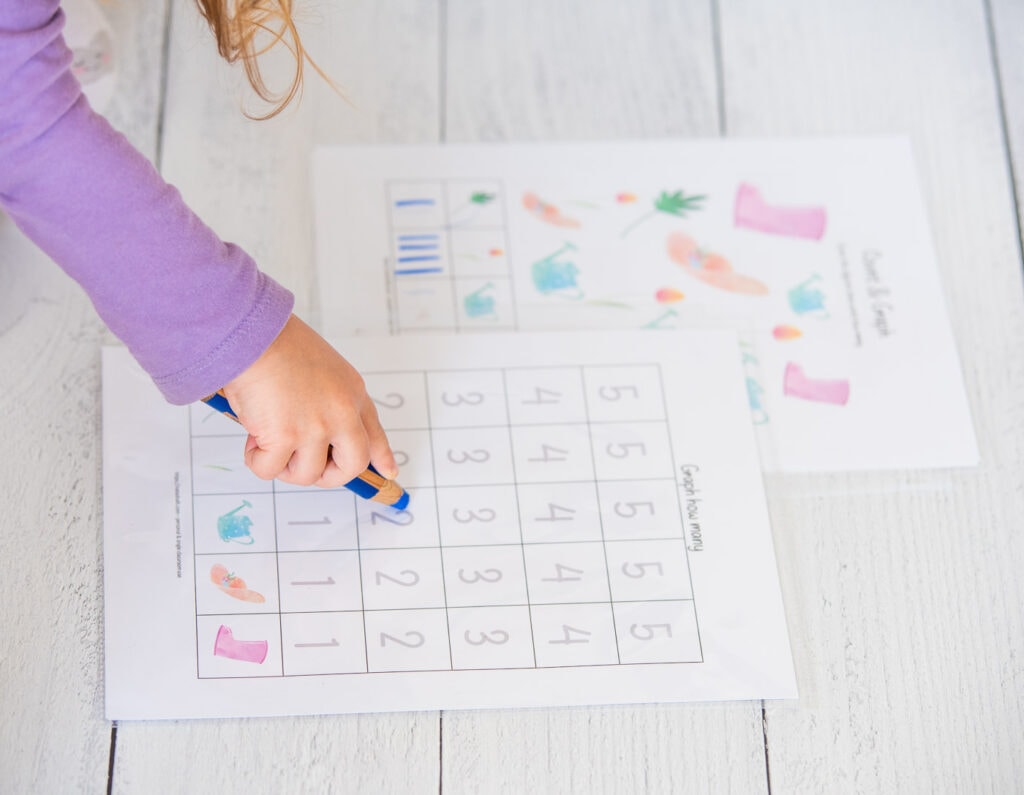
{"points": [[312, 581], [491, 637], [466, 398], [400, 398], [402, 578], [407, 640], [490, 575], [570, 634], [552, 453], [634, 509], [545, 395], [647, 570], [472, 456], [568, 514], [631, 450], [323, 643], [628, 392], [316, 520], [381, 526], [478, 515], [657, 632], [566, 573]]}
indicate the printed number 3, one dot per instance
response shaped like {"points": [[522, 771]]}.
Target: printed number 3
{"points": [[476, 456]]}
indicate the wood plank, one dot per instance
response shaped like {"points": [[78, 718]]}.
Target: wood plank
{"points": [[590, 70], [1007, 23], [250, 181], [54, 737], [903, 590], [577, 70]]}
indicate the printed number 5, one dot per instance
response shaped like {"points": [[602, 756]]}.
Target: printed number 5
{"points": [[608, 392], [638, 570], [622, 449], [648, 631]]}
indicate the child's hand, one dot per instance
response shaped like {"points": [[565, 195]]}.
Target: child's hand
{"points": [[298, 398]]}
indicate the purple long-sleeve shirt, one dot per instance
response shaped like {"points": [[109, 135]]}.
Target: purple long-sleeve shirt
{"points": [[193, 310]]}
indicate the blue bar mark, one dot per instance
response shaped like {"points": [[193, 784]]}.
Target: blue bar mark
{"points": [[420, 258], [415, 203], [419, 237], [418, 247], [416, 271]]}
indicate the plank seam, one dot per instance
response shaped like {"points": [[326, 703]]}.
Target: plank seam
{"points": [[716, 41], [165, 60], [764, 735], [1004, 126], [110, 761], [442, 71]]}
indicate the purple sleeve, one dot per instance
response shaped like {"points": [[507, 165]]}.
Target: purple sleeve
{"points": [[194, 311]]}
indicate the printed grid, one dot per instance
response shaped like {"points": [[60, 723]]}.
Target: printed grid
{"points": [[449, 268], [545, 530]]}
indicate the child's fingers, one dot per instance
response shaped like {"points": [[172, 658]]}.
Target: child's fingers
{"points": [[379, 448], [351, 454], [265, 463], [307, 464]]}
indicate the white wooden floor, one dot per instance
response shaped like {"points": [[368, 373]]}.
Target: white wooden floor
{"points": [[904, 591]]}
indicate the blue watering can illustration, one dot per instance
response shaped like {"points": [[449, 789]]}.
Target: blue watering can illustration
{"points": [[807, 299], [477, 304], [234, 527], [554, 275]]}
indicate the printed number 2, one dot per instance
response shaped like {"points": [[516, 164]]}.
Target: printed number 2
{"points": [[416, 639]]}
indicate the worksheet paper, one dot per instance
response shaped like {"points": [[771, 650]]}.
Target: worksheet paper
{"points": [[817, 251], [587, 525]]}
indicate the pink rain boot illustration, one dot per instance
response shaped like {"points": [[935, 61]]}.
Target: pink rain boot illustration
{"points": [[752, 212], [254, 651], [796, 384]]}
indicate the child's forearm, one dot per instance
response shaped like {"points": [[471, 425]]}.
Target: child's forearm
{"points": [[193, 310]]}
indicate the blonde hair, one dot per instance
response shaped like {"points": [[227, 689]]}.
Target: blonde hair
{"points": [[245, 30]]}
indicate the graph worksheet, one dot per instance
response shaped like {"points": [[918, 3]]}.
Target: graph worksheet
{"points": [[818, 252], [586, 525]]}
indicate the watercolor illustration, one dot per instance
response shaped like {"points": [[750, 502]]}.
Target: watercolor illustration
{"points": [[226, 645], [233, 585], [786, 333], [807, 298], [664, 320], [755, 397], [710, 268], [751, 211], [677, 204], [795, 383], [468, 211], [478, 303], [548, 213], [554, 275], [234, 526]]}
